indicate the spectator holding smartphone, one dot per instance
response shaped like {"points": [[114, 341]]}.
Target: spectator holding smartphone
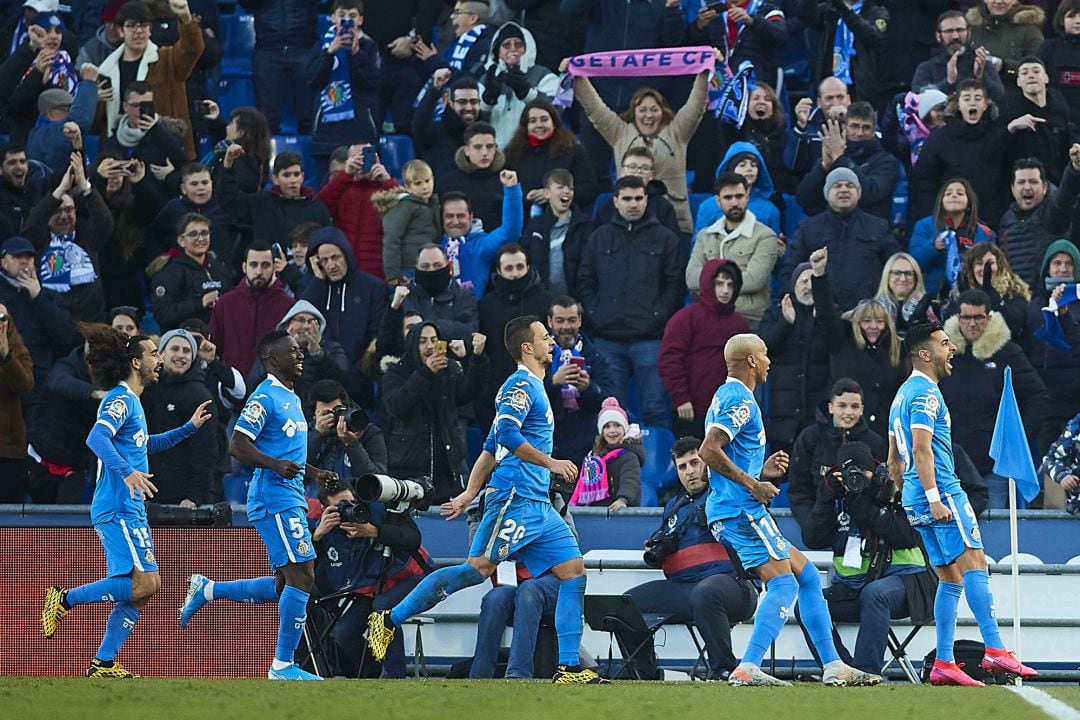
{"points": [[140, 135]]}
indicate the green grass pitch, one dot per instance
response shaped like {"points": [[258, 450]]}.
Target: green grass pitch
{"points": [[206, 699]]}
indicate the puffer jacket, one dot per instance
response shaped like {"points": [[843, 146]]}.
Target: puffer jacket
{"points": [[761, 192], [1011, 36]]}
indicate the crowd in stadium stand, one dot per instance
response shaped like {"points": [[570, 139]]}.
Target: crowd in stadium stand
{"points": [[391, 182]]}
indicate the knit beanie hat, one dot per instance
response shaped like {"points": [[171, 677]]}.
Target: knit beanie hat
{"points": [[841, 174], [180, 334], [930, 99], [611, 411]]}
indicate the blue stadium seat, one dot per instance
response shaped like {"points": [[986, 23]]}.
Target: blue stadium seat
{"points": [[235, 92], [298, 144], [238, 43], [395, 151], [658, 474], [235, 487]]}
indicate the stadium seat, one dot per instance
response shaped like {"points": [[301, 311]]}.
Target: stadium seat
{"points": [[395, 151], [235, 488], [298, 144], [235, 92], [238, 43], [658, 474]]}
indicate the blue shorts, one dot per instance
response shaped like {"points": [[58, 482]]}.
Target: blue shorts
{"points": [[755, 540], [286, 536], [946, 541], [531, 531], [128, 546]]}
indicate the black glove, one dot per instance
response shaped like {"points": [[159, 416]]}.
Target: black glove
{"points": [[493, 86], [861, 508], [828, 489], [516, 81], [996, 301]]}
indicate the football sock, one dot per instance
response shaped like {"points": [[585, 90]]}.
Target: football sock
{"points": [[945, 602], [121, 622], [568, 619], [435, 588], [251, 590], [292, 614], [981, 601], [815, 614], [771, 615], [114, 589]]}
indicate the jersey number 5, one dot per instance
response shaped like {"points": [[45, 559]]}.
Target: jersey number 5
{"points": [[296, 527]]}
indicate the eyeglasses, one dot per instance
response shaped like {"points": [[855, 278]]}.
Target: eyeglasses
{"points": [[637, 168], [135, 25], [456, 12], [973, 318], [197, 235], [906, 274]]}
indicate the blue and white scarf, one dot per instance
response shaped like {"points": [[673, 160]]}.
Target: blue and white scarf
{"points": [[570, 394], [335, 100], [1051, 332], [731, 101], [455, 58], [844, 47], [65, 264]]}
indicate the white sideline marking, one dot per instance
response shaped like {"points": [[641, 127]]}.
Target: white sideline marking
{"points": [[1047, 703]]}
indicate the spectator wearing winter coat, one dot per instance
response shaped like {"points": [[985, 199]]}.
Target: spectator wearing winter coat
{"points": [[1061, 54], [639, 161], [184, 474], [803, 147], [479, 163], [555, 239], [904, 295], [739, 237], [617, 457], [52, 140], [512, 79], [631, 283], [973, 390], [410, 219], [691, 361], [766, 128], [439, 125], [1049, 136], [746, 31], [746, 160], [352, 302], [851, 46], [800, 362], [985, 267], [435, 297], [189, 284], [943, 72], [468, 53], [16, 380], [250, 310], [859, 242], [957, 211], [1008, 30], [863, 346]]}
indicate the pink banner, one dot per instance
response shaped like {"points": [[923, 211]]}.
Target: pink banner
{"points": [[648, 62]]}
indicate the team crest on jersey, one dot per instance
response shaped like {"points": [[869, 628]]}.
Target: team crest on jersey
{"points": [[781, 544], [302, 547], [976, 534], [504, 550], [149, 557], [117, 409], [739, 415], [253, 413], [516, 398]]}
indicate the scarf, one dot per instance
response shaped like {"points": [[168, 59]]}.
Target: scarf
{"points": [[1052, 333], [536, 142], [456, 53], [128, 136], [916, 132], [570, 394], [335, 100], [649, 62], [844, 47], [20, 36], [952, 252], [64, 264], [730, 102], [62, 74]]}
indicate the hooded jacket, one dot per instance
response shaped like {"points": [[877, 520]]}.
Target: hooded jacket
{"points": [[506, 110], [242, 316], [753, 247], [348, 200], [453, 310], [973, 390], [668, 146], [426, 434], [1011, 36], [482, 186], [353, 308], [877, 172], [761, 193], [631, 279], [184, 471], [178, 289], [691, 360], [869, 366], [408, 223], [1057, 367]]}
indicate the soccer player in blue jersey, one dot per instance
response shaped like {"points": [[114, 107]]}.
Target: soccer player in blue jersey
{"points": [[518, 517], [739, 490], [921, 464], [121, 442], [271, 436]]}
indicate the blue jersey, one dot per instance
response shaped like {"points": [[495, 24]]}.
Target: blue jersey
{"points": [[274, 420], [735, 411], [522, 413], [121, 413], [919, 405]]}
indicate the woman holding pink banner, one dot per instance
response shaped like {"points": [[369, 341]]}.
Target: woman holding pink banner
{"points": [[650, 122]]}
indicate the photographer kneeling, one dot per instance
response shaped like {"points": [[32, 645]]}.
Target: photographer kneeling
{"points": [[879, 570], [344, 438], [374, 554], [701, 585]]}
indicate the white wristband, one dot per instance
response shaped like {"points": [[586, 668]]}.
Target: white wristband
{"points": [[932, 495]]}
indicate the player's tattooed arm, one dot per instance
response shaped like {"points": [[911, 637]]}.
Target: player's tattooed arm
{"points": [[712, 452]]}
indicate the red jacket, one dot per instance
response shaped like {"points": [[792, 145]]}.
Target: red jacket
{"points": [[242, 316], [691, 361], [349, 203]]}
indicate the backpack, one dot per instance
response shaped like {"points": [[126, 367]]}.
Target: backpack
{"points": [[592, 484], [969, 655]]}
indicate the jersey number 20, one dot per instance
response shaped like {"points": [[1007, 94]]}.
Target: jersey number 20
{"points": [[511, 532]]}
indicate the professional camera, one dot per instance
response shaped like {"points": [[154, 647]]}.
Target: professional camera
{"points": [[356, 419], [216, 515], [392, 491], [658, 547], [354, 512], [853, 478], [558, 485]]}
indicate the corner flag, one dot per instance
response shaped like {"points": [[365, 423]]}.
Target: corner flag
{"points": [[1009, 446]]}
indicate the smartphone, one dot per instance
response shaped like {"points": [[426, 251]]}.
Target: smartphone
{"points": [[716, 6], [440, 347], [276, 248], [147, 108], [367, 159], [348, 25], [579, 362], [105, 82]]}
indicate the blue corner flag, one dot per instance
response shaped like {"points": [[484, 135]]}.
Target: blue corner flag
{"points": [[1009, 446]]}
